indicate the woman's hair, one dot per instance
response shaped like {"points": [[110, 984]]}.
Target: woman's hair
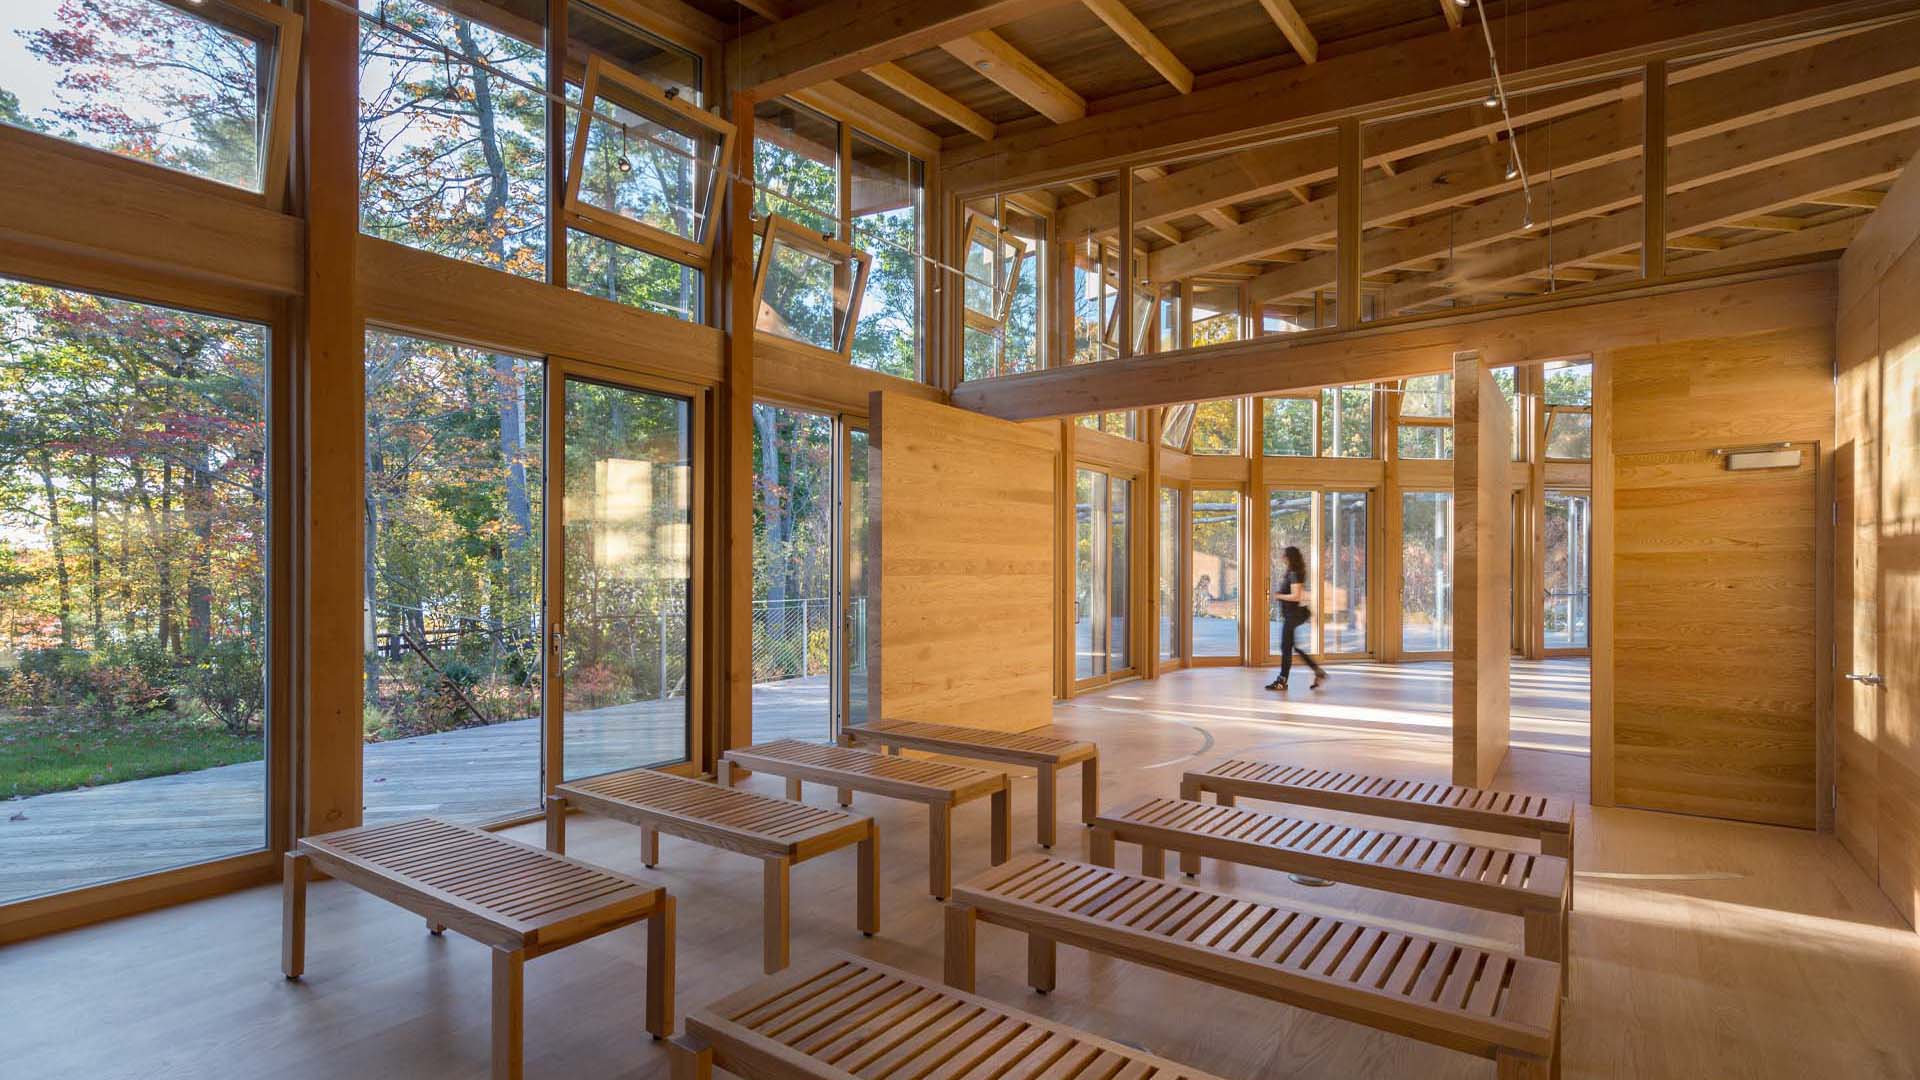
{"points": [[1295, 562]]}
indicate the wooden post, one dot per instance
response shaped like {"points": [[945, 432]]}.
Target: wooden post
{"points": [[333, 378], [509, 1020], [1653, 155], [1048, 778], [775, 907], [868, 887], [557, 824], [293, 914], [734, 599], [1347, 244], [961, 930], [1482, 625], [940, 850], [1001, 825]]}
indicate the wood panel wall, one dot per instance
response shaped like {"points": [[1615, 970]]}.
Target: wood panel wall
{"points": [[961, 508], [1482, 564], [1877, 551], [1717, 653]]}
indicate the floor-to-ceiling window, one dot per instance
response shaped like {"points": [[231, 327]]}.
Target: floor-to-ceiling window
{"points": [[1568, 565], [1344, 552], [1172, 532], [1216, 573], [1426, 571], [134, 511], [624, 651], [1101, 563], [857, 630], [793, 573], [1289, 524], [1119, 569]]}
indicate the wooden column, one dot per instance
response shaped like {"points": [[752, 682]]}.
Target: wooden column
{"points": [[333, 380], [1482, 625], [734, 600]]}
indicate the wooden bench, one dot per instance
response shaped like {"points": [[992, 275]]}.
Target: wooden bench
{"points": [[516, 898], [844, 1016], [778, 832], [1474, 1000], [1547, 820], [1534, 887], [1045, 754], [941, 787]]}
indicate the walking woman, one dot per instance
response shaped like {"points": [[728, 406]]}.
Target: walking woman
{"points": [[1292, 595]]}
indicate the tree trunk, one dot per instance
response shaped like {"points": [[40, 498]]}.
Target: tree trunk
{"points": [[773, 515], [56, 542], [93, 546]]}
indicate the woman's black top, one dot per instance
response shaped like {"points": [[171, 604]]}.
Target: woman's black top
{"points": [[1291, 609]]}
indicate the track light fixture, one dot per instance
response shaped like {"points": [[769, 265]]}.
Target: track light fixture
{"points": [[1492, 100], [1513, 169], [625, 164]]}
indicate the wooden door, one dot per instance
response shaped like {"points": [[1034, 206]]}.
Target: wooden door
{"points": [[1714, 636]]}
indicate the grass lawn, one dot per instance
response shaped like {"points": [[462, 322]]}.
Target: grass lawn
{"points": [[39, 754]]}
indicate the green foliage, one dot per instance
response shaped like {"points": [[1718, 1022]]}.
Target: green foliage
{"points": [[62, 751], [229, 684]]}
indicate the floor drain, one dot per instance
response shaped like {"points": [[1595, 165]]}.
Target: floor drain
{"points": [[1309, 881]]}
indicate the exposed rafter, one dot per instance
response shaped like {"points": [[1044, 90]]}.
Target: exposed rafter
{"points": [[1017, 74], [930, 97], [1143, 41], [1288, 19]]}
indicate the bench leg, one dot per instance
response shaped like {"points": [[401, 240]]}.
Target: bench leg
{"points": [[649, 846], [845, 796], [557, 824], [1090, 789], [940, 850], [1547, 940], [689, 1060], [1509, 1065], [961, 927], [1049, 778], [436, 929], [795, 790], [661, 935], [509, 1031], [1100, 847], [723, 773], [1561, 845], [775, 911], [1040, 956], [869, 884], [1153, 861], [1001, 840], [293, 914]]}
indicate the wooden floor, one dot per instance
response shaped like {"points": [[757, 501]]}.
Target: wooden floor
{"points": [[1701, 949]]}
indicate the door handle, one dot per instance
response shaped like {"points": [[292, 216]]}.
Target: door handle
{"points": [[1865, 680]]}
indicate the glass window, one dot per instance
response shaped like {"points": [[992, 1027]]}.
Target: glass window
{"points": [[1425, 442], [1569, 436], [1506, 379], [593, 32], [1346, 421], [809, 286], [1427, 396], [134, 507], [651, 169], [1120, 549], [612, 271], [454, 550], [627, 578], [1089, 574], [1289, 524], [1215, 624], [453, 153], [796, 154], [1569, 383], [1287, 430], [979, 353], [1342, 605], [1216, 427], [887, 186], [1170, 534], [793, 470], [1177, 426], [1216, 313], [1569, 565], [1426, 571], [153, 81], [859, 556], [1025, 345]]}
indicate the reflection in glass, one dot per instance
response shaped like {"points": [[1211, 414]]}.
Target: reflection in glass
{"points": [[1119, 546], [1089, 574], [1287, 430], [1215, 625], [796, 165], [1170, 531], [1569, 436], [858, 629], [627, 578], [886, 225], [1346, 421], [1216, 427], [1343, 572], [613, 271]]}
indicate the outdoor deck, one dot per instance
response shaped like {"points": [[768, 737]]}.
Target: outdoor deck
{"points": [[71, 838]]}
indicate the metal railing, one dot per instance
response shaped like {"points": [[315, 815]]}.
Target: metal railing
{"points": [[793, 639]]}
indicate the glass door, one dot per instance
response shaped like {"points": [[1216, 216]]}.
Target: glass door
{"points": [[1090, 552], [1289, 524], [1568, 566], [1342, 612], [621, 594], [1173, 531], [1215, 538], [855, 630], [795, 470]]}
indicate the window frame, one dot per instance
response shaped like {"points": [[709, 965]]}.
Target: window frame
{"points": [[998, 238], [828, 248], [617, 227]]}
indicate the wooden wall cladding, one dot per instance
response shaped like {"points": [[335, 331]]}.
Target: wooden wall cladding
{"points": [[1717, 664], [961, 508], [1482, 562], [1876, 606]]}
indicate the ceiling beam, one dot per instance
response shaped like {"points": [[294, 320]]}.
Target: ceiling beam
{"points": [[1566, 42], [1141, 40], [1866, 200], [1295, 28], [930, 97], [870, 116], [989, 54], [841, 37], [1451, 12], [1570, 326]]}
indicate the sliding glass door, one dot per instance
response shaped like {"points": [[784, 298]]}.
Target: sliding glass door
{"points": [[1173, 532], [1568, 566], [1426, 572], [794, 545], [1101, 565], [1331, 530], [1216, 580]]}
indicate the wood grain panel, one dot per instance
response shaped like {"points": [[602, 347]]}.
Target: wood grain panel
{"points": [[1714, 636], [1726, 391], [1483, 562], [962, 513], [1897, 576]]}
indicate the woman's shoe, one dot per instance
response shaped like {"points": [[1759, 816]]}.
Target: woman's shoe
{"points": [[1319, 677], [1277, 684]]}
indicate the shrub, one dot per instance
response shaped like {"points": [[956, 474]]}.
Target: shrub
{"points": [[230, 683], [122, 692]]}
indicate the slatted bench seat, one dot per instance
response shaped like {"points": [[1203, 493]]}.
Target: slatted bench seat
{"points": [[1045, 754], [842, 1016], [516, 898], [1541, 818], [940, 786], [1474, 1000], [1534, 887], [778, 832]]}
